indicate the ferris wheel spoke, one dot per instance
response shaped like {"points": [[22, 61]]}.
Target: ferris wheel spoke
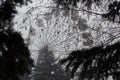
{"points": [[50, 36], [38, 43], [63, 47], [63, 41], [42, 40], [34, 55], [53, 38], [58, 37], [46, 37]]}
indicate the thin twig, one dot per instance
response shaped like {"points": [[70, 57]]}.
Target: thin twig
{"points": [[37, 7]]}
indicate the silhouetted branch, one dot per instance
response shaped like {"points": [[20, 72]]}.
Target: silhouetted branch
{"points": [[95, 63]]}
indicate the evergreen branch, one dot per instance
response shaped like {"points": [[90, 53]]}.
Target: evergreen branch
{"points": [[93, 61]]}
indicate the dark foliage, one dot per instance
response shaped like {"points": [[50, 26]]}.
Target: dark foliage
{"points": [[112, 14], [14, 54], [72, 3], [96, 63], [15, 57], [8, 8]]}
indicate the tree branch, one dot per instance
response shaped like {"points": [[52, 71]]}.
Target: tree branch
{"points": [[37, 7]]}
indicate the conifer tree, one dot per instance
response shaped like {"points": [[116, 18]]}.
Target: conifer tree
{"points": [[15, 58]]}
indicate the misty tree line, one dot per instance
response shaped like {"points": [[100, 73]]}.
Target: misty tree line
{"points": [[15, 58]]}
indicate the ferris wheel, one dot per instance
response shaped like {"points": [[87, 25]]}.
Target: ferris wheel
{"points": [[61, 30], [57, 33]]}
